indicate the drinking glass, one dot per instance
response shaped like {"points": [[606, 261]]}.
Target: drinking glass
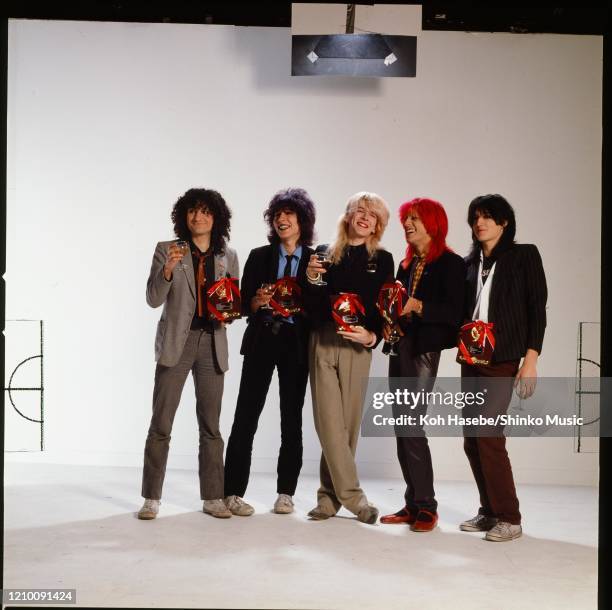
{"points": [[268, 288], [325, 262], [184, 249]]}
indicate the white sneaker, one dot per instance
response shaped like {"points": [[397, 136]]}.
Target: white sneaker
{"points": [[238, 506], [149, 509], [216, 508], [504, 532], [283, 504]]}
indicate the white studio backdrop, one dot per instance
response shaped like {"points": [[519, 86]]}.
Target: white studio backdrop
{"points": [[108, 123]]}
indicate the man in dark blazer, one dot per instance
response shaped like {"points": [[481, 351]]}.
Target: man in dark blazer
{"points": [[272, 341], [506, 287], [186, 340], [434, 279]]}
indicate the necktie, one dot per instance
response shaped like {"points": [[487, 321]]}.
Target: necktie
{"points": [[419, 266], [201, 280], [287, 271]]}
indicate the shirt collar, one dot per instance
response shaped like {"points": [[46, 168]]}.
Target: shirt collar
{"points": [[297, 252], [195, 250]]}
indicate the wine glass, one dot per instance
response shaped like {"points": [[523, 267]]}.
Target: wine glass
{"points": [[325, 262], [394, 337], [184, 249], [268, 288]]}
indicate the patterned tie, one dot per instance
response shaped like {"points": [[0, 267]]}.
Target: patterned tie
{"points": [[287, 271], [418, 272]]}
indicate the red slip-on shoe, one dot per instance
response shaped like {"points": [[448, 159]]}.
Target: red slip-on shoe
{"points": [[404, 515], [425, 521]]}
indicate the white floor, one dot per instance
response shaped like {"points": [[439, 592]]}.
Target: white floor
{"points": [[75, 527]]}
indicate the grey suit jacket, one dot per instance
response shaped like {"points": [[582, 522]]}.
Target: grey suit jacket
{"points": [[178, 296]]}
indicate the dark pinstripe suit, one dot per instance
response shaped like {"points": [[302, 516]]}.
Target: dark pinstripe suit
{"points": [[517, 303], [517, 308]]}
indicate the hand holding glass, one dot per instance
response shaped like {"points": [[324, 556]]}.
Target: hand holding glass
{"points": [[184, 249], [269, 290], [325, 262]]}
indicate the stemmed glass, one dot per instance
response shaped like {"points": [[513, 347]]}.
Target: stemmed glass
{"points": [[269, 289], [394, 337], [325, 262], [184, 249]]}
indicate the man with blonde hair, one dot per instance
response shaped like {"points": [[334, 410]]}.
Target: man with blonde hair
{"points": [[340, 360]]}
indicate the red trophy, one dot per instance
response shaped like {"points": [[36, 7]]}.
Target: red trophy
{"points": [[287, 297], [391, 300], [347, 311], [224, 300], [476, 343]]}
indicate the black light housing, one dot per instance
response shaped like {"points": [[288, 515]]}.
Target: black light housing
{"points": [[353, 55]]}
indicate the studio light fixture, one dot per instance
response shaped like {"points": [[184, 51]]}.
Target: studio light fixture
{"points": [[350, 54]]}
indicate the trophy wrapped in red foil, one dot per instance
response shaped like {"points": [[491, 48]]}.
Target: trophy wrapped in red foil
{"points": [[347, 311], [287, 297], [391, 300], [476, 343], [224, 300]]}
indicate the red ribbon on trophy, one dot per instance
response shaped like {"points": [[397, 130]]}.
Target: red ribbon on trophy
{"points": [[347, 311], [223, 301], [476, 343], [391, 301], [287, 297]]}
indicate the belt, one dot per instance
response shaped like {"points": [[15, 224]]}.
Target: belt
{"points": [[207, 331], [276, 325], [273, 325]]}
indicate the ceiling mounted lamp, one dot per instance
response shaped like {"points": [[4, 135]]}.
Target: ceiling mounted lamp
{"points": [[353, 54], [353, 46]]}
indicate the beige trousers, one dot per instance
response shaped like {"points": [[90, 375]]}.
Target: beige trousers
{"points": [[339, 371]]}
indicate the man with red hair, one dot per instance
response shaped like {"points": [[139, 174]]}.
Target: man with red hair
{"points": [[434, 278]]}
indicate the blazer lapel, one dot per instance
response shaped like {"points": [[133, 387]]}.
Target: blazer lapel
{"points": [[501, 281], [272, 266], [306, 253], [220, 266], [189, 272]]}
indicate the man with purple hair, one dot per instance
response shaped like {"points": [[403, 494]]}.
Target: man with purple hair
{"points": [[272, 341]]}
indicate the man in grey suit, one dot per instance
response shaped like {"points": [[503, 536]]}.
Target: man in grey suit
{"points": [[187, 340]]}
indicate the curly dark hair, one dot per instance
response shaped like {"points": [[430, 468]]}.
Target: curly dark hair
{"points": [[214, 202], [299, 201], [498, 208]]}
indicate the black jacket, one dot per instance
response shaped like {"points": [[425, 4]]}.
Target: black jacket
{"points": [[442, 290], [351, 275], [262, 267], [517, 302]]}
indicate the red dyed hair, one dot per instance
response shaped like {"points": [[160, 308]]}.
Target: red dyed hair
{"points": [[434, 219]]}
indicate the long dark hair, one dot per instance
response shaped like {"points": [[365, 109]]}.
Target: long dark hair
{"points": [[498, 208], [215, 204], [299, 201]]}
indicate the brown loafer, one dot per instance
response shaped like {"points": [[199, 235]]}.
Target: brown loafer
{"points": [[425, 521], [404, 515], [317, 514]]}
